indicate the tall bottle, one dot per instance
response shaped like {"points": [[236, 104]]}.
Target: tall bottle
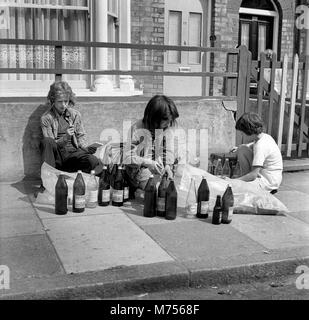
{"points": [[117, 193], [226, 170], [237, 171], [92, 191], [217, 212], [104, 193], [161, 196], [61, 196], [227, 205], [191, 203], [126, 189], [171, 201], [150, 198], [203, 200], [79, 193], [219, 168]]}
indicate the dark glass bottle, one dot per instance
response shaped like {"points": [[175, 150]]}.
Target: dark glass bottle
{"points": [[161, 196], [237, 171], [61, 196], [217, 212], [104, 195], [203, 200], [227, 205], [150, 198], [117, 193], [171, 201], [79, 193], [126, 189]]}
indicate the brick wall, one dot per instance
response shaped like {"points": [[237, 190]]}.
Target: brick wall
{"points": [[147, 23]]}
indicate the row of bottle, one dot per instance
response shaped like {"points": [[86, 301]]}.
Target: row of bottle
{"points": [[93, 194], [225, 170], [197, 204], [161, 202]]}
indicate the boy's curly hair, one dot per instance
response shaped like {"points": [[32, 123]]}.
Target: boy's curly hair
{"points": [[61, 88], [250, 123]]}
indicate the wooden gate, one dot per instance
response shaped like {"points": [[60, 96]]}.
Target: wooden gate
{"points": [[277, 91]]}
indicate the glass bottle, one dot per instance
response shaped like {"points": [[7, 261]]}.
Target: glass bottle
{"points": [[171, 201], [92, 191], [161, 196], [104, 193], [126, 189], [117, 192], [191, 203], [150, 198], [237, 171], [226, 170], [227, 205], [218, 169], [79, 193], [217, 212], [203, 200], [61, 196]]}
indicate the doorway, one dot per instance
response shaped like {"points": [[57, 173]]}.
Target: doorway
{"points": [[185, 25]]}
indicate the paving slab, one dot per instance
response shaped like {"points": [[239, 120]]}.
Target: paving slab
{"points": [[300, 215], [18, 222], [273, 232], [11, 197], [294, 200], [195, 240], [100, 242], [29, 257]]}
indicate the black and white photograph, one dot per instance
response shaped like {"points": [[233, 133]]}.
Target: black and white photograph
{"points": [[154, 154]]}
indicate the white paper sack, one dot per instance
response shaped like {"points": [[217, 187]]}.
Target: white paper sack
{"points": [[49, 176], [246, 198]]}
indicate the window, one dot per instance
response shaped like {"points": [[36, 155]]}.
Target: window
{"points": [[174, 35], [195, 36], [44, 20]]}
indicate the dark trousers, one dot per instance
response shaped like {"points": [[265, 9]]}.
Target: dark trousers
{"points": [[62, 159]]}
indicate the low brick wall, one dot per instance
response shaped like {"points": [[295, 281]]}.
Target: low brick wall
{"points": [[20, 132]]}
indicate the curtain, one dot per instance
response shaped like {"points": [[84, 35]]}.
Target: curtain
{"points": [[262, 38], [245, 29], [44, 24]]}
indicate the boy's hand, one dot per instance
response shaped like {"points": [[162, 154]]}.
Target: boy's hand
{"points": [[234, 149], [70, 131]]}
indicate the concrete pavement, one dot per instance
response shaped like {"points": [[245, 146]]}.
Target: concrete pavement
{"points": [[113, 251]]}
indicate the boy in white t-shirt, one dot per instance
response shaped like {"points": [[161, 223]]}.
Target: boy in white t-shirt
{"points": [[260, 160]]}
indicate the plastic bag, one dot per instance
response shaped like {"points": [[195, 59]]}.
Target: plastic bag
{"points": [[247, 200], [49, 176]]}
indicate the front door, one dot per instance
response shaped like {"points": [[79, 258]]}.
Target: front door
{"points": [[183, 27], [256, 33]]}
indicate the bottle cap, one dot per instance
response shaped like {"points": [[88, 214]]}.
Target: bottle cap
{"points": [[104, 167], [92, 172], [79, 171], [151, 176]]}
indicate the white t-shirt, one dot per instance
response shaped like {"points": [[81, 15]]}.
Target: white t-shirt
{"points": [[266, 154]]}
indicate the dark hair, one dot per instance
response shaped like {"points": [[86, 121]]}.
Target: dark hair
{"points": [[159, 108], [61, 88], [250, 123]]}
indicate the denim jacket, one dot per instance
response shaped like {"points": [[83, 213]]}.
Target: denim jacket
{"points": [[50, 123]]}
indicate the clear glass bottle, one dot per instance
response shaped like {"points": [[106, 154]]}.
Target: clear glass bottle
{"points": [[191, 203], [219, 168], [237, 171], [92, 191], [226, 170]]}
